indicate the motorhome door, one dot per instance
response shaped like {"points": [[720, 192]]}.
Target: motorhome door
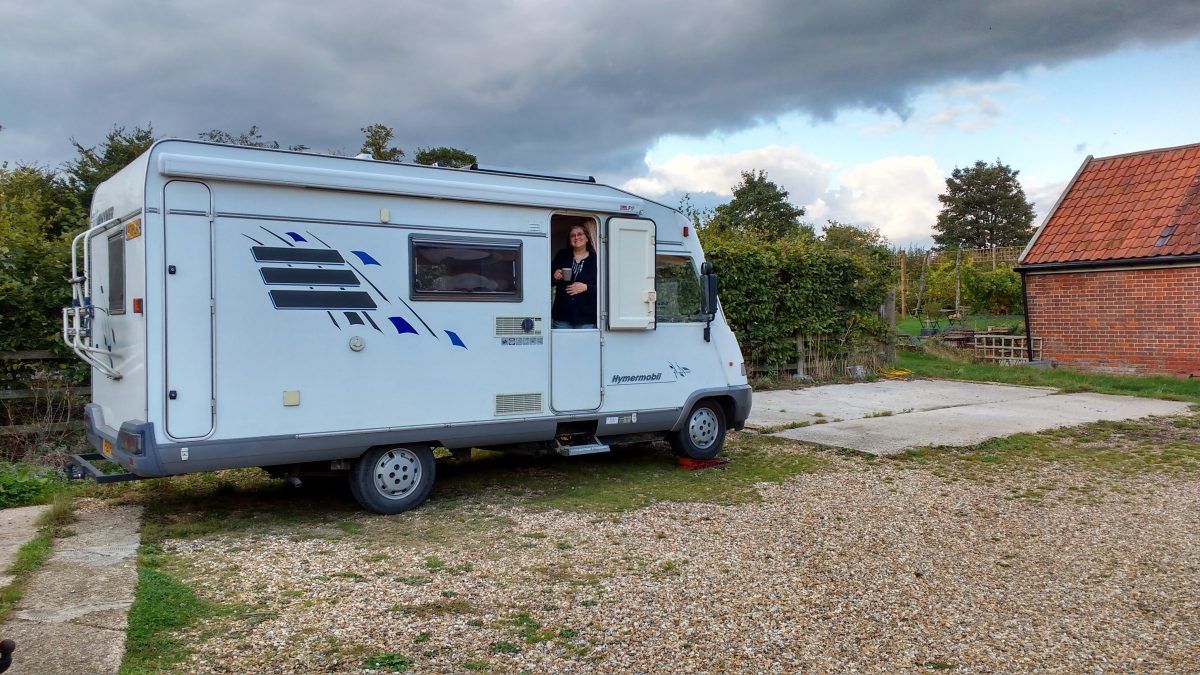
{"points": [[188, 309]]}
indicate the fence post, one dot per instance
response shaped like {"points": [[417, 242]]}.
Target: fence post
{"points": [[800, 355], [903, 285], [889, 315]]}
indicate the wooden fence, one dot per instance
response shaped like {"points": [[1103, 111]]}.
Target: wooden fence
{"points": [[43, 407], [1006, 349]]}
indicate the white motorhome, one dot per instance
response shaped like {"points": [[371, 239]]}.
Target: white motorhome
{"points": [[252, 307]]}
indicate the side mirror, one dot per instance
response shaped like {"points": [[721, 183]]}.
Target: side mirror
{"points": [[710, 291], [706, 268]]}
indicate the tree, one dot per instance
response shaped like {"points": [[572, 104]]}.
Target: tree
{"points": [[846, 237], [761, 209], [252, 138], [444, 156], [98, 163], [378, 143], [983, 206]]}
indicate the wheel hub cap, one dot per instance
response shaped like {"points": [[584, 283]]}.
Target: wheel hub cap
{"points": [[703, 428], [397, 473]]}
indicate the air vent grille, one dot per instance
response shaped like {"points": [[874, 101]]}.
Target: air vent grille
{"points": [[514, 326], [518, 404]]}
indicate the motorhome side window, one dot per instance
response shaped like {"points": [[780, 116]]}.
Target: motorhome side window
{"points": [[677, 285], [116, 272], [464, 270]]}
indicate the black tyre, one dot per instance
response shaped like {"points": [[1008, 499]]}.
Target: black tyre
{"points": [[392, 480], [703, 432]]}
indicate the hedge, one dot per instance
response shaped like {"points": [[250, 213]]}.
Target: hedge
{"points": [[774, 291]]}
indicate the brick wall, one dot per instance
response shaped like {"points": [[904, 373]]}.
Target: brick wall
{"points": [[1124, 321]]}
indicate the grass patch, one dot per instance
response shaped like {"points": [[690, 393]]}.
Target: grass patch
{"points": [[1068, 381], [1101, 449], [435, 608], [628, 479], [390, 662], [34, 553]]}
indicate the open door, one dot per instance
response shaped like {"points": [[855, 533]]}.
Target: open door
{"points": [[188, 309], [575, 353], [631, 295]]}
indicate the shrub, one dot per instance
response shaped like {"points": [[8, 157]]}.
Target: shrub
{"points": [[774, 291], [21, 485]]}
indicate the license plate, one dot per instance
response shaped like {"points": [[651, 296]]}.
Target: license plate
{"points": [[106, 447]]}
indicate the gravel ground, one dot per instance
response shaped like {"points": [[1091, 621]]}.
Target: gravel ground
{"points": [[866, 567]]}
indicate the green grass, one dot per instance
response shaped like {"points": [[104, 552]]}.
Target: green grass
{"points": [[389, 662], [1095, 454], [1069, 381], [628, 479], [162, 606], [34, 553], [912, 324]]}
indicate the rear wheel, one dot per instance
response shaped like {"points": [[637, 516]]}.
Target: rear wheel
{"points": [[393, 479], [703, 433]]}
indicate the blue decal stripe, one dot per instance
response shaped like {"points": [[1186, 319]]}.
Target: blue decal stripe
{"points": [[402, 326], [296, 237], [366, 258], [455, 340]]}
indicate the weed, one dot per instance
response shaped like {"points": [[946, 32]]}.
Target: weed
{"points": [[350, 527], [589, 603], [421, 637], [477, 665], [505, 648], [881, 413], [435, 608], [389, 662], [434, 563]]}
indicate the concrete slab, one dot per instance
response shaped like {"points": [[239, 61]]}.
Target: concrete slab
{"points": [[72, 616], [965, 425], [17, 526], [863, 399]]}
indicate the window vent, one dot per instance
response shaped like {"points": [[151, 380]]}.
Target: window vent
{"points": [[514, 326], [518, 404]]}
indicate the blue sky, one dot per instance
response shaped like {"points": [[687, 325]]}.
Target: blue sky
{"points": [[1042, 122]]}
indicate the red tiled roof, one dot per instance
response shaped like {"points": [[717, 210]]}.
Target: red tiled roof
{"points": [[1141, 205]]}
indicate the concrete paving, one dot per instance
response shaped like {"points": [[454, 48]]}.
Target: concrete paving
{"points": [[72, 616], [17, 526], [864, 399], [926, 412]]}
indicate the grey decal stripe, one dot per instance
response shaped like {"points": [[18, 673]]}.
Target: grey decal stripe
{"points": [[354, 318], [322, 300], [252, 239], [372, 322], [305, 276], [339, 326], [296, 255]]}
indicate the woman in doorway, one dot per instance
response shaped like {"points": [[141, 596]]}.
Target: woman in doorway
{"points": [[575, 282]]}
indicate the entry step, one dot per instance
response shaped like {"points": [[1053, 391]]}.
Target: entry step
{"points": [[590, 447]]}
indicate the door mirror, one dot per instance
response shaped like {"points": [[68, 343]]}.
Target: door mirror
{"points": [[706, 268], [710, 291]]}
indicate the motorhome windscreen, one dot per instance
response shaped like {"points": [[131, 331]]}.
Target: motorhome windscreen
{"points": [[677, 286], [466, 270]]}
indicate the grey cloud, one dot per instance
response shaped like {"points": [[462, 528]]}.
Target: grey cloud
{"points": [[585, 86]]}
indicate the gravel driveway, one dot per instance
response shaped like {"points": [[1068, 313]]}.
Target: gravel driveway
{"points": [[876, 566]]}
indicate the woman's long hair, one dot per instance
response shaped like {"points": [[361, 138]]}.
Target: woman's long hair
{"points": [[587, 234]]}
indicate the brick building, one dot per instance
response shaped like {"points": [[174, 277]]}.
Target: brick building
{"points": [[1112, 277]]}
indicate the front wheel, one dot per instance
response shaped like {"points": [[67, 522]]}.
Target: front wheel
{"points": [[392, 480], [703, 433]]}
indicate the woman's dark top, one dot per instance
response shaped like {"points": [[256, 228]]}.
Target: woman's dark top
{"points": [[574, 308]]}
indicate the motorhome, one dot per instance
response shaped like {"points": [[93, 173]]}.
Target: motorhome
{"points": [[301, 312]]}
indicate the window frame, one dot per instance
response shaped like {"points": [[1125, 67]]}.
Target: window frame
{"points": [[416, 241], [117, 238]]}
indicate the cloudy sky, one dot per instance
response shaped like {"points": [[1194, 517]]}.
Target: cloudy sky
{"points": [[860, 108]]}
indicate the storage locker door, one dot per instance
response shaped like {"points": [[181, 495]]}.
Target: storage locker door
{"points": [[188, 311], [631, 295]]}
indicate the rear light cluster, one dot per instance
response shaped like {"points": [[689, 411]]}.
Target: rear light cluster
{"points": [[130, 442]]}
